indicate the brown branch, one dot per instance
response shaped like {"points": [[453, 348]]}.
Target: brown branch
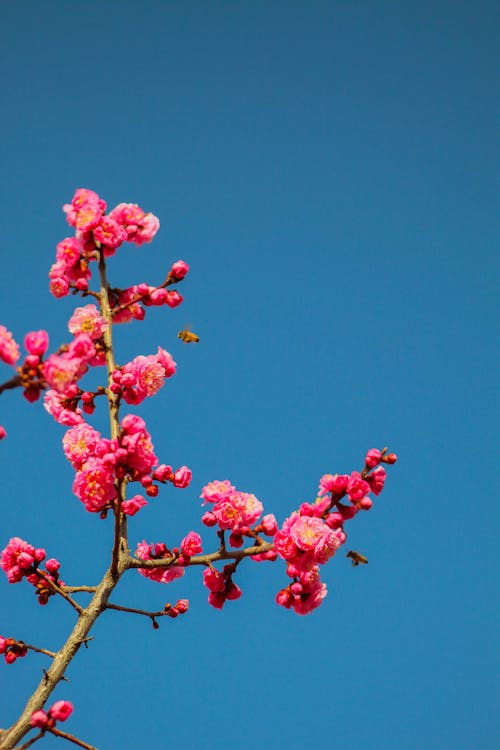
{"points": [[77, 589], [58, 590], [221, 554], [71, 738], [120, 543], [30, 742], [133, 610], [38, 650], [14, 382]]}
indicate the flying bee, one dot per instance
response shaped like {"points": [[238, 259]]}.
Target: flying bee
{"points": [[357, 557], [188, 337]]}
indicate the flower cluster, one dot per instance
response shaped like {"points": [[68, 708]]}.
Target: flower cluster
{"points": [[160, 551], [30, 372], [21, 560], [143, 376], [95, 230], [234, 511], [314, 533], [12, 649], [101, 463], [60, 711], [221, 585]]}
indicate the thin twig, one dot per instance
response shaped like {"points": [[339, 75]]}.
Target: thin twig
{"points": [[30, 742], [14, 382], [72, 738], [45, 651], [58, 590], [133, 610], [76, 589]]}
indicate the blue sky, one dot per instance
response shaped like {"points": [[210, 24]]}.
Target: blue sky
{"points": [[327, 169]]}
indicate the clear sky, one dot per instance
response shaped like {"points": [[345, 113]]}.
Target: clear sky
{"points": [[327, 169]]}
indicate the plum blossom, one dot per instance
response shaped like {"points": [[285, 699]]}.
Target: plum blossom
{"points": [[62, 407], [94, 485], [61, 710], [143, 376], [147, 551], [139, 227], [19, 558], [191, 544], [87, 320], [9, 350], [179, 269], [133, 506], [36, 343]]}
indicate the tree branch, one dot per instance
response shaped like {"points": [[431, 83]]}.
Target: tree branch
{"points": [[71, 738], [221, 554]]}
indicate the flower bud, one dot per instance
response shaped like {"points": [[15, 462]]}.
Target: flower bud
{"points": [[179, 269]]}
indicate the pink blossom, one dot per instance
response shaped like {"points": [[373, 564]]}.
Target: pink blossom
{"points": [[318, 508], [162, 473], [60, 371], [132, 506], [9, 350], [306, 532], [147, 551], [167, 362], [140, 451], [373, 458], [87, 320], [213, 580], [182, 477], [209, 519], [18, 557], [217, 490], [79, 444], [191, 544], [81, 350], [334, 483], [182, 606], [61, 710], [144, 376], [140, 227], [303, 596], [129, 215], [237, 510], [39, 719], [376, 480], [357, 487], [148, 227], [179, 269], [109, 233], [269, 524], [59, 286], [62, 409], [37, 342], [85, 210], [390, 458], [131, 424], [346, 511], [52, 565], [3, 432], [173, 298], [94, 485], [68, 253]]}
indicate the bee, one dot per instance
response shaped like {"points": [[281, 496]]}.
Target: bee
{"points": [[357, 557], [188, 337]]}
